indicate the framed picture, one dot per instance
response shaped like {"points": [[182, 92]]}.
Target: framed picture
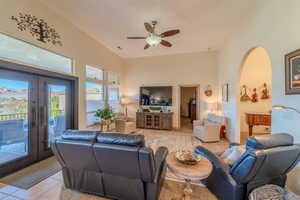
{"points": [[225, 92], [292, 73]]}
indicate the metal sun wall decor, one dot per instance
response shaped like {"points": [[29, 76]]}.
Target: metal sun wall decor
{"points": [[38, 28]]}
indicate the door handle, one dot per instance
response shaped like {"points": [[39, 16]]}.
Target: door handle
{"points": [[33, 113], [42, 113]]}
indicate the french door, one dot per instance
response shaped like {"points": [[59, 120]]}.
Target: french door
{"points": [[54, 110], [33, 110]]}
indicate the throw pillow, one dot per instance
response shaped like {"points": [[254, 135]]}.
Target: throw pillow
{"points": [[231, 155]]}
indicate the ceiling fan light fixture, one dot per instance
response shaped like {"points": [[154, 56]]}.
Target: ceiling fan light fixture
{"points": [[153, 40]]}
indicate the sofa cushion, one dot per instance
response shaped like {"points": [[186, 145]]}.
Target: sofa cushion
{"points": [[82, 135], [269, 141], [121, 139]]}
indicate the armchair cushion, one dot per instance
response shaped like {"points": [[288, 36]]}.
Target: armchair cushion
{"points": [[231, 155], [216, 119], [208, 122]]}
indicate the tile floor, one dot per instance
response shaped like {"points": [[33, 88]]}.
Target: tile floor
{"points": [[53, 188]]}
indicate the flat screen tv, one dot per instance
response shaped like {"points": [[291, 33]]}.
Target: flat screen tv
{"points": [[156, 96]]}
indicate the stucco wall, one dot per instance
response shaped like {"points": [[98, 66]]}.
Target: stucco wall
{"points": [[76, 44], [173, 70], [273, 25]]}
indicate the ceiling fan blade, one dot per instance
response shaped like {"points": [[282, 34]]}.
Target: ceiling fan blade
{"points": [[136, 37], [165, 43], [146, 46], [170, 33], [148, 27]]}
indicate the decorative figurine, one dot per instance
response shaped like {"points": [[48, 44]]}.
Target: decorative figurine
{"points": [[265, 92], [244, 94], [254, 98]]}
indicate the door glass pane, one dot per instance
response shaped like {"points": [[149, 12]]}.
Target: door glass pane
{"points": [[57, 121], [14, 96], [94, 101]]}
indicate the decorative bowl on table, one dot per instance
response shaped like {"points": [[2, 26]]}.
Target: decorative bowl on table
{"points": [[187, 157]]}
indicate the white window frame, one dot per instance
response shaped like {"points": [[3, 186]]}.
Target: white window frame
{"points": [[105, 82]]}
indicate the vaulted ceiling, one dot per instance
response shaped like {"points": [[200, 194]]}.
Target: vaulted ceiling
{"points": [[204, 24]]}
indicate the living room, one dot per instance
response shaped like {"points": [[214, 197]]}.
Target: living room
{"points": [[90, 61]]}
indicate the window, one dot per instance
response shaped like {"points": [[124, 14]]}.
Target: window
{"points": [[14, 49], [94, 73], [113, 98], [94, 101], [113, 78], [101, 88]]}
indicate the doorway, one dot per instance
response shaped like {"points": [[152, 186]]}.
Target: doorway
{"points": [[188, 107], [34, 109], [255, 101]]}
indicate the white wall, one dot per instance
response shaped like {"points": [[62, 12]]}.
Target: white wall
{"points": [[256, 70], [172, 70], [273, 25], [76, 44]]}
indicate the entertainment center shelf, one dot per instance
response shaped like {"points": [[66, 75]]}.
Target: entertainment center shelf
{"points": [[154, 120]]}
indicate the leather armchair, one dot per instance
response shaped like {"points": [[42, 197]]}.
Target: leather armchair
{"points": [[267, 160], [112, 165]]}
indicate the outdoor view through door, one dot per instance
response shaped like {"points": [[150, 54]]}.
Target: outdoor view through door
{"points": [[56, 111], [14, 98], [34, 109]]}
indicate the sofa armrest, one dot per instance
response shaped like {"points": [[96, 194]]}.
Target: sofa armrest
{"points": [[160, 162], [218, 164]]}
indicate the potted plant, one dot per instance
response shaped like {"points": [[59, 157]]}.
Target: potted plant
{"points": [[106, 116]]}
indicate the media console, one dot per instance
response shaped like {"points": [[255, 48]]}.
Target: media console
{"points": [[154, 120]]}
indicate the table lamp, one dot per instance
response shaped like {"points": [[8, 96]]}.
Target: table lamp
{"points": [[125, 101]]}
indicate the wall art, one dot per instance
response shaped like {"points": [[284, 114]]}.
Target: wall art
{"points": [[38, 28], [292, 72]]}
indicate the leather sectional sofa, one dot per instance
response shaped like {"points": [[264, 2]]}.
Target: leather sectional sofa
{"points": [[111, 165]]}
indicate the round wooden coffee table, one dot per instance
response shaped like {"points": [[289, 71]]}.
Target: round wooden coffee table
{"points": [[189, 173]]}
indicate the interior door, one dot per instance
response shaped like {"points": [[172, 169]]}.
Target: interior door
{"points": [[54, 110], [18, 114]]}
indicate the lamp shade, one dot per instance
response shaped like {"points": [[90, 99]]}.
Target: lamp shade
{"points": [[126, 100]]}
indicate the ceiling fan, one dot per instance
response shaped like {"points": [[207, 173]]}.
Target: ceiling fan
{"points": [[154, 39]]}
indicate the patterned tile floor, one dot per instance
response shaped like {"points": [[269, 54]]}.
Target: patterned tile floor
{"points": [[53, 188]]}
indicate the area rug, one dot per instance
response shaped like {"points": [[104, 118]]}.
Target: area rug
{"points": [[32, 175], [174, 141], [170, 191]]}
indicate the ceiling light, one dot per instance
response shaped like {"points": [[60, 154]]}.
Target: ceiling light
{"points": [[153, 40]]}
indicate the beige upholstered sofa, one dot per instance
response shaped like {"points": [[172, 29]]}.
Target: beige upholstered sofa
{"points": [[208, 130]]}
